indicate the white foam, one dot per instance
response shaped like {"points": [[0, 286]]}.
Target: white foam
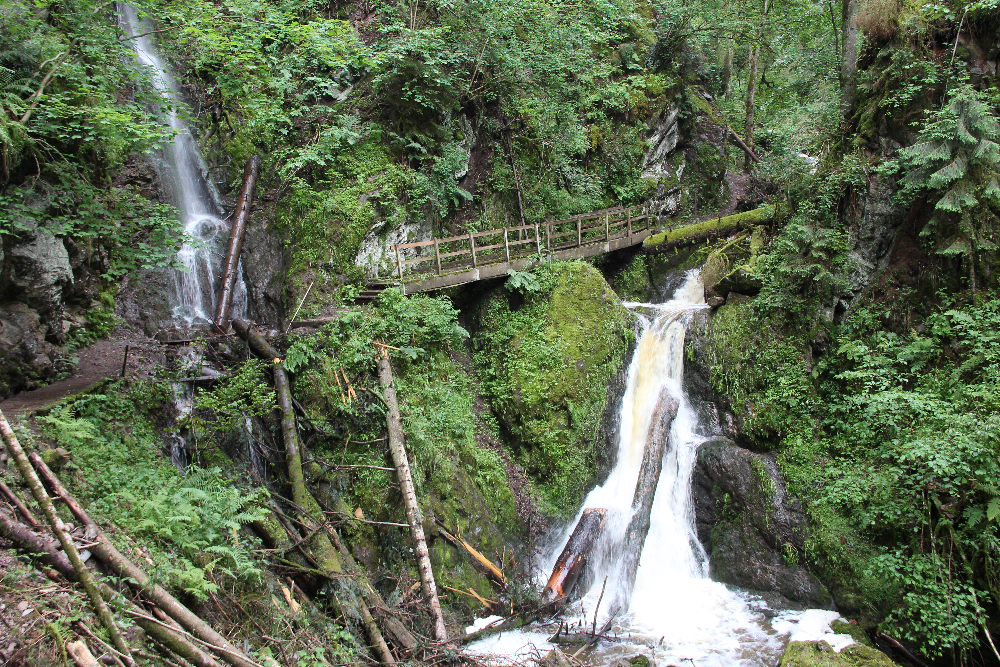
{"points": [[481, 623], [812, 625]]}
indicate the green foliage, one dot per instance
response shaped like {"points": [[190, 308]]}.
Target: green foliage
{"points": [[546, 366], [892, 441], [191, 521], [243, 394], [956, 161]]}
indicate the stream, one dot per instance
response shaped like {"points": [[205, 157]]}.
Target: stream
{"points": [[183, 173], [676, 613]]}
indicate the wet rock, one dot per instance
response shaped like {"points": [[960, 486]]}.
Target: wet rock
{"points": [[715, 301], [754, 532], [820, 654], [264, 272], [144, 299], [27, 359]]}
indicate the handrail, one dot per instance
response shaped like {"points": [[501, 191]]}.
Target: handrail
{"points": [[610, 224]]}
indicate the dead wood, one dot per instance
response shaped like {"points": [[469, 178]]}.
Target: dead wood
{"points": [[571, 562], [491, 569], [387, 620], [48, 551], [310, 514], [81, 654], [229, 267], [413, 515], [84, 576], [9, 494], [122, 567], [645, 491]]}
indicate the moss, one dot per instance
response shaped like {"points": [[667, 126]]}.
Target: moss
{"points": [[820, 654], [632, 283], [709, 228], [546, 359], [856, 632]]}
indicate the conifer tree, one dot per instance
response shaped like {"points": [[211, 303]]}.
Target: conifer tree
{"points": [[957, 161]]}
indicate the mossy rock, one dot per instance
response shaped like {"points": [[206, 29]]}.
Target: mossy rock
{"points": [[546, 359], [821, 654], [856, 632], [701, 231]]}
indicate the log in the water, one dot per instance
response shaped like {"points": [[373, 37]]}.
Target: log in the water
{"points": [[240, 214], [574, 555], [645, 491]]}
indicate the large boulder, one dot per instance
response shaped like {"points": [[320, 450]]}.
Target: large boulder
{"points": [[549, 347], [27, 359], [754, 532], [821, 654]]}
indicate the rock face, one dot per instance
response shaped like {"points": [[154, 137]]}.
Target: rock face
{"points": [[752, 530], [264, 273], [550, 361]]}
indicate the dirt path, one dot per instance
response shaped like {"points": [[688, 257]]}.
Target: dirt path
{"points": [[101, 360]]}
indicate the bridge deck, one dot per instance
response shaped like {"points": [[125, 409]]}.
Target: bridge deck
{"points": [[439, 263]]}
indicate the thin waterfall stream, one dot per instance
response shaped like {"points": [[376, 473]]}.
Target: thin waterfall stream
{"points": [[675, 613], [184, 173]]}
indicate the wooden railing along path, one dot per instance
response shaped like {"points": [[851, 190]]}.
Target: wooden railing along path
{"points": [[489, 254]]}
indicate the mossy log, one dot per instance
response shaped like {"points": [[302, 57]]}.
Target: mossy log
{"points": [[232, 262], [702, 231], [48, 551], [571, 562], [645, 491], [413, 515], [85, 577], [124, 568]]}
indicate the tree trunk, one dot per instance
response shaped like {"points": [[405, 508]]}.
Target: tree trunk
{"points": [[575, 555], [69, 547], [390, 624], [752, 80], [309, 510], [47, 550], [240, 214], [122, 567], [645, 491], [849, 60], [413, 515]]}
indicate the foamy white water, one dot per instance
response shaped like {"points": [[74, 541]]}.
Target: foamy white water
{"points": [[183, 170], [675, 612]]}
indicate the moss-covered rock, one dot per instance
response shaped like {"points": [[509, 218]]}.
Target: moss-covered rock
{"points": [[821, 654], [546, 354], [700, 231]]}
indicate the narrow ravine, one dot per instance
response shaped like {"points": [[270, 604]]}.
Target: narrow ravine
{"points": [[184, 173], [675, 612]]}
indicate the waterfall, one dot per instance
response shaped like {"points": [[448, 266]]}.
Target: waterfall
{"points": [[675, 612], [183, 172]]}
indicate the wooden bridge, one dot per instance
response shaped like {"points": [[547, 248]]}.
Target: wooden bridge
{"points": [[490, 254]]}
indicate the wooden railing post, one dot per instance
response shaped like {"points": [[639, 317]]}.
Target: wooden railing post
{"points": [[472, 244], [579, 232], [399, 263], [607, 228], [548, 237], [538, 240], [629, 222], [437, 256], [506, 244]]}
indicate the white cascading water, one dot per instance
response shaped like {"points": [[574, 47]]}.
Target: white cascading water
{"points": [[183, 171], [676, 612]]}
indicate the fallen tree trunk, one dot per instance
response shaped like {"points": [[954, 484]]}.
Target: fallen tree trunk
{"points": [[645, 492], [16, 502], [574, 556], [390, 624], [707, 229], [413, 515], [240, 214], [311, 514], [122, 567], [69, 547], [47, 550]]}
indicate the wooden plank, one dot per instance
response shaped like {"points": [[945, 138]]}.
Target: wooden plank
{"points": [[472, 246]]}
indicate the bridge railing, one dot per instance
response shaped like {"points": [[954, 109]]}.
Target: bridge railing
{"points": [[497, 246]]}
